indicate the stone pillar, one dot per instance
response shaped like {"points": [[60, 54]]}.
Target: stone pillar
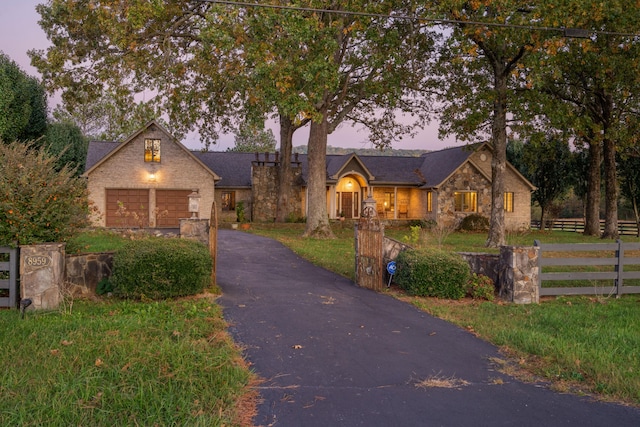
{"points": [[42, 274], [195, 229], [519, 274]]}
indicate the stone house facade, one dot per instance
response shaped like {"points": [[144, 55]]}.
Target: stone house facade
{"points": [[443, 186]]}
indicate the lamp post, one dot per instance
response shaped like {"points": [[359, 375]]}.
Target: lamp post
{"points": [[194, 203]]}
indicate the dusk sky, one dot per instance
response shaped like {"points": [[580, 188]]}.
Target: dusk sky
{"points": [[19, 32]]}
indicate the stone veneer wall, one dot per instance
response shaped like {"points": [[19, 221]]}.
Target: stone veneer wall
{"points": [[468, 178], [265, 175], [83, 272], [514, 271]]}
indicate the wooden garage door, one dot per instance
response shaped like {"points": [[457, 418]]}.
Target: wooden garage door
{"points": [[133, 200], [172, 205]]}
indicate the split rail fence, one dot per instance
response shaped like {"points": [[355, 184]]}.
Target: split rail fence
{"points": [[625, 228], [588, 263]]}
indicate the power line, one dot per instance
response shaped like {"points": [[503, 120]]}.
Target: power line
{"points": [[568, 32]]}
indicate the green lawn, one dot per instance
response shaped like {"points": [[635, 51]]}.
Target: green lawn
{"points": [[584, 344], [122, 363]]}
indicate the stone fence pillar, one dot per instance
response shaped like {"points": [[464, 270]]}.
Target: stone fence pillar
{"points": [[42, 274], [519, 274], [195, 229]]}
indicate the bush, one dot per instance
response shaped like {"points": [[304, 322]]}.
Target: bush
{"points": [[432, 273], [481, 287], [159, 268], [474, 222], [38, 203]]}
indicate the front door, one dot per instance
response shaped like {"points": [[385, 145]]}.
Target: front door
{"points": [[347, 205]]}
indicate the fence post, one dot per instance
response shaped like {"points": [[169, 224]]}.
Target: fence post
{"points": [[619, 268]]}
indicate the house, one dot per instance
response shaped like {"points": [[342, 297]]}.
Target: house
{"points": [[151, 174]]}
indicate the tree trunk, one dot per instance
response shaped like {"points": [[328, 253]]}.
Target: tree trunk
{"points": [[317, 218], [542, 218], [496, 236], [592, 211], [611, 190], [285, 178]]}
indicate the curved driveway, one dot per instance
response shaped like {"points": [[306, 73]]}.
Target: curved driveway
{"points": [[334, 354]]}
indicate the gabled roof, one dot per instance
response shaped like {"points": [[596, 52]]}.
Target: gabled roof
{"points": [[438, 166], [97, 151], [336, 166], [103, 148]]}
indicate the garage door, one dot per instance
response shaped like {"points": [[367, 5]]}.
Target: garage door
{"points": [[135, 203], [172, 205]]}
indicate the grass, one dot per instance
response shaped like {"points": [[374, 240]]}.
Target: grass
{"points": [[580, 344], [122, 363]]}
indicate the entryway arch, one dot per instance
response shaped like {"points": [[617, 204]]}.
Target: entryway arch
{"points": [[350, 189]]}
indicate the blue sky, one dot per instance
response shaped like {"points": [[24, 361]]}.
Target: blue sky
{"points": [[20, 32]]}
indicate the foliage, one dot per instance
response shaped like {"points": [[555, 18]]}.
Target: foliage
{"points": [[430, 272], [122, 363], [104, 116], [207, 64], [474, 222], [65, 141], [38, 202], [629, 167], [158, 268], [240, 214], [23, 104], [481, 287], [253, 139], [415, 235]]}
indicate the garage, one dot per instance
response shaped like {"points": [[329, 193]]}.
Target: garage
{"points": [[172, 205], [136, 207]]}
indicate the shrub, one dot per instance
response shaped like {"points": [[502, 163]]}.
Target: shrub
{"points": [[159, 268], [38, 203], [481, 287], [432, 272], [474, 222]]}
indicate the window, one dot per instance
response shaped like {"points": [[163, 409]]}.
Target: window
{"points": [[466, 201], [508, 202], [389, 201], [228, 200], [429, 201], [152, 150]]}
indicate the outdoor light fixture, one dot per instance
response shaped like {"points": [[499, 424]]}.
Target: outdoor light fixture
{"points": [[24, 303], [152, 177], [349, 184], [194, 203]]}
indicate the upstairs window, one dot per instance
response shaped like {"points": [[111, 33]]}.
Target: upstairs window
{"points": [[466, 201], [152, 150]]}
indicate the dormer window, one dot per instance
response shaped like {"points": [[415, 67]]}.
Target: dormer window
{"points": [[152, 150]]}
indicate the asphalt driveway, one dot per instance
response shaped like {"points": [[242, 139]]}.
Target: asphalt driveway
{"points": [[334, 354]]}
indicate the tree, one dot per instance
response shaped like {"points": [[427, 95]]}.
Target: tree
{"points": [[478, 78], [105, 117], [546, 164], [38, 202], [204, 65], [630, 181], [23, 104], [594, 80], [329, 67], [252, 138], [66, 143]]}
